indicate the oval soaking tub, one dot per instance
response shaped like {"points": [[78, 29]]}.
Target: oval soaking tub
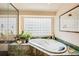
{"points": [[49, 45]]}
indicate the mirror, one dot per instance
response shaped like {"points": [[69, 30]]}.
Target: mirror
{"points": [[8, 21], [69, 21]]}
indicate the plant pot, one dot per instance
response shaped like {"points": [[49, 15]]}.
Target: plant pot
{"points": [[26, 41], [23, 41]]}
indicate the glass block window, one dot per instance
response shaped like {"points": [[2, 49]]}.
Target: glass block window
{"points": [[38, 26], [8, 25]]}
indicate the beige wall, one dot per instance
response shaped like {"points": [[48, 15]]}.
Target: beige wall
{"points": [[37, 13], [66, 36], [33, 13]]}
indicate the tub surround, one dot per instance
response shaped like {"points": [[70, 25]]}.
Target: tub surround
{"points": [[46, 53], [49, 45], [37, 47], [67, 43]]}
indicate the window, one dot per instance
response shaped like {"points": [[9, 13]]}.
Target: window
{"points": [[38, 26], [8, 25]]}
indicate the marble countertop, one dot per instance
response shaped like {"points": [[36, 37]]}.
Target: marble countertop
{"points": [[18, 44]]}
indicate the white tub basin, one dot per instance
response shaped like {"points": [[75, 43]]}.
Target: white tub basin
{"points": [[49, 45]]}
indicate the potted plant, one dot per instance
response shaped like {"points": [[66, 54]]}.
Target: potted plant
{"points": [[25, 36]]}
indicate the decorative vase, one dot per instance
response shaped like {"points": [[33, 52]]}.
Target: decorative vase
{"points": [[19, 41]]}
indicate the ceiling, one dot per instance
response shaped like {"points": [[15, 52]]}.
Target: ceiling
{"points": [[52, 7], [45, 7], [6, 7]]}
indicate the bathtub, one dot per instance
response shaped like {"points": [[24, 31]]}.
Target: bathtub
{"points": [[49, 45]]}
